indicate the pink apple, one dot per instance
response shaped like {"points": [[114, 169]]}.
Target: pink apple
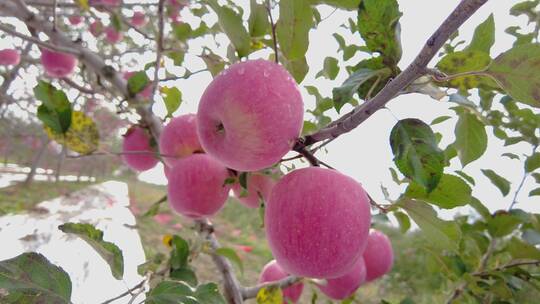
{"points": [[179, 138], [96, 28], [112, 35], [317, 222], [379, 256], [257, 184], [138, 154], [343, 287], [196, 186], [75, 19], [166, 171], [146, 93], [273, 272], [9, 57], [250, 115], [56, 64], [138, 19]]}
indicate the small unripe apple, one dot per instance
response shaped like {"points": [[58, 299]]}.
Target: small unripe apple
{"points": [[75, 19], [9, 57], [138, 19], [112, 35], [257, 184], [96, 28], [273, 272], [56, 64], [379, 256], [343, 287], [250, 115], [179, 139], [146, 93], [196, 187], [137, 151], [317, 222]]}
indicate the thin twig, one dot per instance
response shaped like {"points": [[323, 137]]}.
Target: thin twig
{"points": [[54, 14], [251, 292], [521, 183], [75, 85], [128, 292], [129, 25], [185, 76], [102, 153], [159, 45], [34, 40], [273, 27]]}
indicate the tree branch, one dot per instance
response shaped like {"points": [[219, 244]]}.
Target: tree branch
{"points": [[159, 47], [251, 292], [273, 25], [140, 285], [34, 40], [417, 68]]}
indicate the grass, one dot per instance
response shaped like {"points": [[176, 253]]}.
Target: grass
{"points": [[19, 198]]}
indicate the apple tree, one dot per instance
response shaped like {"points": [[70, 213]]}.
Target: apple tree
{"points": [[252, 114]]}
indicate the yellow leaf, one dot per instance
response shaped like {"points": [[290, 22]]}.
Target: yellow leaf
{"points": [[83, 4], [270, 295], [82, 135], [167, 238]]}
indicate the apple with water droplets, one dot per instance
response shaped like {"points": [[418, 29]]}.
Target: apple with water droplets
{"points": [[137, 151], [179, 139], [343, 287]]}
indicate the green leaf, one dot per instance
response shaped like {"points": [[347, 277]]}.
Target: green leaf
{"points": [[116, 22], [516, 72], [179, 252], [172, 99], [151, 264], [258, 22], [330, 68], [536, 177], [182, 31], [480, 208], [209, 294], [214, 63], [403, 220], [440, 119], [94, 237], [269, 295], [466, 61], [308, 127], [533, 162], [137, 83], [484, 36], [378, 24], [471, 138], [345, 92], [502, 223], [292, 29], [451, 192], [535, 192], [177, 57], [521, 250], [298, 68], [154, 209], [511, 155], [531, 236], [171, 292], [184, 274], [500, 182], [231, 23], [416, 153], [55, 110], [443, 234], [343, 4], [31, 278], [232, 256], [466, 177]]}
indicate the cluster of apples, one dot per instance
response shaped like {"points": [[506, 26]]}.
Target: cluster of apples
{"points": [[317, 220]]}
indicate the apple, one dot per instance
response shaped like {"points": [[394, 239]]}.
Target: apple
{"points": [[166, 171], [113, 36], [343, 287], [317, 222], [179, 138], [196, 187], [56, 64], [138, 19], [9, 57], [75, 19], [378, 255], [250, 115], [96, 28], [257, 184], [137, 151], [272, 272]]}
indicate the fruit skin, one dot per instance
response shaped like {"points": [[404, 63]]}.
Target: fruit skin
{"points": [[112, 35], [343, 287], [75, 19], [138, 140], [138, 19], [179, 138], [250, 115], [378, 255], [196, 186], [273, 272], [256, 183], [56, 64], [317, 222], [96, 28], [9, 57]]}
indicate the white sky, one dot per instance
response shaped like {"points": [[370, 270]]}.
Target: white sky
{"points": [[365, 152]]}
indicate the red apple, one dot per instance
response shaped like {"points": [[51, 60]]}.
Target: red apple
{"points": [[9, 57], [112, 35], [179, 138], [343, 287], [257, 184], [250, 115], [273, 272], [317, 222], [75, 19], [138, 19], [56, 64], [96, 28], [196, 186], [138, 154], [379, 256]]}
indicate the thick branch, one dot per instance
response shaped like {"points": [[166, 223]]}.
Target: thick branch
{"points": [[463, 11], [251, 292]]}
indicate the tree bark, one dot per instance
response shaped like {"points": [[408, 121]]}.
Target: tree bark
{"points": [[36, 162]]}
